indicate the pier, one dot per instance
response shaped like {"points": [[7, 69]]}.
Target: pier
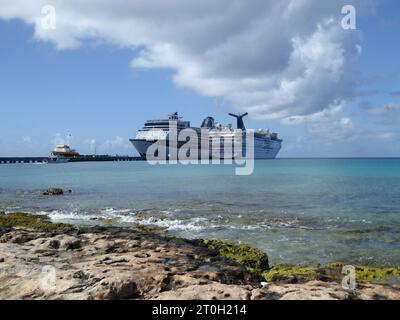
{"points": [[22, 160], [89, 158], [81, 158]]}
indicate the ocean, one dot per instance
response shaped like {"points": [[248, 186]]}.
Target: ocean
{"points": [[299, 211]]}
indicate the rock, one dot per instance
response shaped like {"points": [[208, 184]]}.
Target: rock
{"points": [[119, 290], [363, 273], [213, 291], [115, 263], [331, 272], [313, 290], [251, 258], [378, 292], [53, 192], [54, 244], [4, 229], [290, 274], [72, 244], [22, 238], [30, 222], [79, 275]]}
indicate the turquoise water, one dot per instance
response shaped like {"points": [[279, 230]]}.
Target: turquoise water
{"points": [[297, 210]]}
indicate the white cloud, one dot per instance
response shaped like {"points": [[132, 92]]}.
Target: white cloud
{"points": [[92, 143], [389, 136], [62, 139], [328, 123], [27, 139], [384, 110], [275, 59], [58, 139], [118, 144]]}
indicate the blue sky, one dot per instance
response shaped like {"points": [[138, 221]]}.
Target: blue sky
{"points": [[97, 91]]}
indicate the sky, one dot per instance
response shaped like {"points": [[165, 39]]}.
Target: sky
{"points": [[96, 72]]}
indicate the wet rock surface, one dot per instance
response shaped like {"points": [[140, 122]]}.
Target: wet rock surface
{"points": [[55, 192], [115, 263]]}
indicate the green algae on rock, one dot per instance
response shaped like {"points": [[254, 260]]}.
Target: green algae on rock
{"points": [[143, 228], [290, 273], [31, 222], [106, 221], [330, 272], [252, 259], [369, 274], [54, 192], [364, 273]]}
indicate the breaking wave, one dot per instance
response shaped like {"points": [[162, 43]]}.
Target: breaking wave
{"points": [[173, 220]]}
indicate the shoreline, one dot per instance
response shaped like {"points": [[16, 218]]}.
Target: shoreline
{"points": [[106, 262]]}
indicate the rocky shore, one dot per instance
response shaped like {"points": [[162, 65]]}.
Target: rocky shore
{"points": [[44, 260]]}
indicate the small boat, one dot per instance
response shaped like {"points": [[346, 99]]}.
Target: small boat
{"points": [[58, 160], [64, 151], [55, 159], [61, 154]]}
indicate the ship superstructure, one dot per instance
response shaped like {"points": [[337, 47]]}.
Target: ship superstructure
{"points": [[63, 150]]}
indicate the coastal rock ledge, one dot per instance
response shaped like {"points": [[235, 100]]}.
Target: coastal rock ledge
{"points": [[115, 263]]}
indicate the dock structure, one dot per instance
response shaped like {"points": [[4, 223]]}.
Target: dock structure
{"points": [[89, 158], [5, 160], [81, 158]]}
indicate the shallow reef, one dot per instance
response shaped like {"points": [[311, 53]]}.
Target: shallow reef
{"points": [[252, 259], [363, 273], [330, 272], [105, 221], [290, 273], [31, 222], [143, 228], [54, 192]]}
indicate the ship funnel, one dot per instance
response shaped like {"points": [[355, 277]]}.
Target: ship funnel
{"points": [[239, 119], [208, 122]]}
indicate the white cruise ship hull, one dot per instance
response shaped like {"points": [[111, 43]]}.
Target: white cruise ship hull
{"points": [[263, 148], [266, 148], [141, 146]]}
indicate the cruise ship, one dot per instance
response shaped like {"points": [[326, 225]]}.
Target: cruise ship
{"points": [[266, 143]]}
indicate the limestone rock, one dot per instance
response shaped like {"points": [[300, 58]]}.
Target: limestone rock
{"points": [[115, 263]]}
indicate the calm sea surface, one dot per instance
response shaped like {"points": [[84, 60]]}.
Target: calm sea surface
{"points": [[299, 211]]}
